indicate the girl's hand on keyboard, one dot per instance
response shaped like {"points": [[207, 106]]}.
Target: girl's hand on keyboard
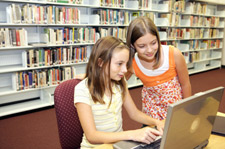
{"points": [[146, 135], [159, 125]]}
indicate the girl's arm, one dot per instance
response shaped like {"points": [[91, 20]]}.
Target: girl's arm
{"points": [[145, 135], [182, 73], [138, 116]]}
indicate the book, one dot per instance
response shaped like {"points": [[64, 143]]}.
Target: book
{"points": [[13, 36], [67, 73], [18, 38], [62, 1]]}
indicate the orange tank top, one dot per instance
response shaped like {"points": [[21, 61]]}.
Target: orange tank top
{"points": [[150, 81]]}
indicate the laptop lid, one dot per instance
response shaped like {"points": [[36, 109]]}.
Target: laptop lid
{"points": [[189, 122]]}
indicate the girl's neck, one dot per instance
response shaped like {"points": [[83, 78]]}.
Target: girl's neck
{"points": [[150, 63]]}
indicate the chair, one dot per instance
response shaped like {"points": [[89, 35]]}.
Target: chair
{"points": [[69, 127]]}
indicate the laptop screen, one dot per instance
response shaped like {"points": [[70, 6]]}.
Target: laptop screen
{"points": [[189, 122]]}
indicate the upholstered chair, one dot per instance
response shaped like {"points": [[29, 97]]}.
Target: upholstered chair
{"points": [[69, 127]]}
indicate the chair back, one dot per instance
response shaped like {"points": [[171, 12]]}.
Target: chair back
{"points": [[69, 127]]}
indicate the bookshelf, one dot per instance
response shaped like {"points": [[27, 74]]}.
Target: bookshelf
{"points": [[45, 42]]}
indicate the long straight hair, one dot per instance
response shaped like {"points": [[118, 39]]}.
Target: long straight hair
{"points": [[139, 27], [99, 63]]}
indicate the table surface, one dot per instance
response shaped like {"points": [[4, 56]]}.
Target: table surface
{"points": [[216, 142]]}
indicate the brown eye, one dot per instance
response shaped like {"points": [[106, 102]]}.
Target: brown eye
{"points": [[119, 64], [141, 46]]}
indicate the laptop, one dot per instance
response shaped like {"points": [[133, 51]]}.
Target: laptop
{"points": [[188, 124]]}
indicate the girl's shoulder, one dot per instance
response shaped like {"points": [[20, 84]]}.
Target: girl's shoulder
{"points": [[177, 52], [82, 84], [173, 49], [178, 56]]}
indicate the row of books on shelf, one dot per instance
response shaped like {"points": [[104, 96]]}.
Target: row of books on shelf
{"points": [[153, 4], [66, 1], [167, 19], [198, 8], [19, 37], [80, 35], [34, 14], [192, 57], [63, 15], [203, 44], [172, 42], [56, 56], [13, 37], [70, 35], [142, 4], [174, 19], [111, 16], [192, 45], [108, 16], [58, 1], [201, 8], [179, 6], [123, 17], [201, 55], [190, 33], [42, 78], [200, 21], [112, 3], [214, 33], [114, 31], [166, 5]]}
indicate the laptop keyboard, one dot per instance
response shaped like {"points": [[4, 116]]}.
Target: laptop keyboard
{"points": [[153, 145]]}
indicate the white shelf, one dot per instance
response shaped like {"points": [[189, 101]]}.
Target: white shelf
{"points": [[203, 50], [6, 70], [203, 60], [206, 69], [135, 85], [43, 45], [22, 107], [24, 1], [26, 90], [203, 15]]}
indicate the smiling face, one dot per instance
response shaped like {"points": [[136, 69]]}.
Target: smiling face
{"points": [[118, 66], [147, 47]]}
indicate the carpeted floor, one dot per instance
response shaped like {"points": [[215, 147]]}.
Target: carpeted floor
{"points": [[38, 129]]}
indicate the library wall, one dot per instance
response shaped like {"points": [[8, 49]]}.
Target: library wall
{"points": [[46, 42]]}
